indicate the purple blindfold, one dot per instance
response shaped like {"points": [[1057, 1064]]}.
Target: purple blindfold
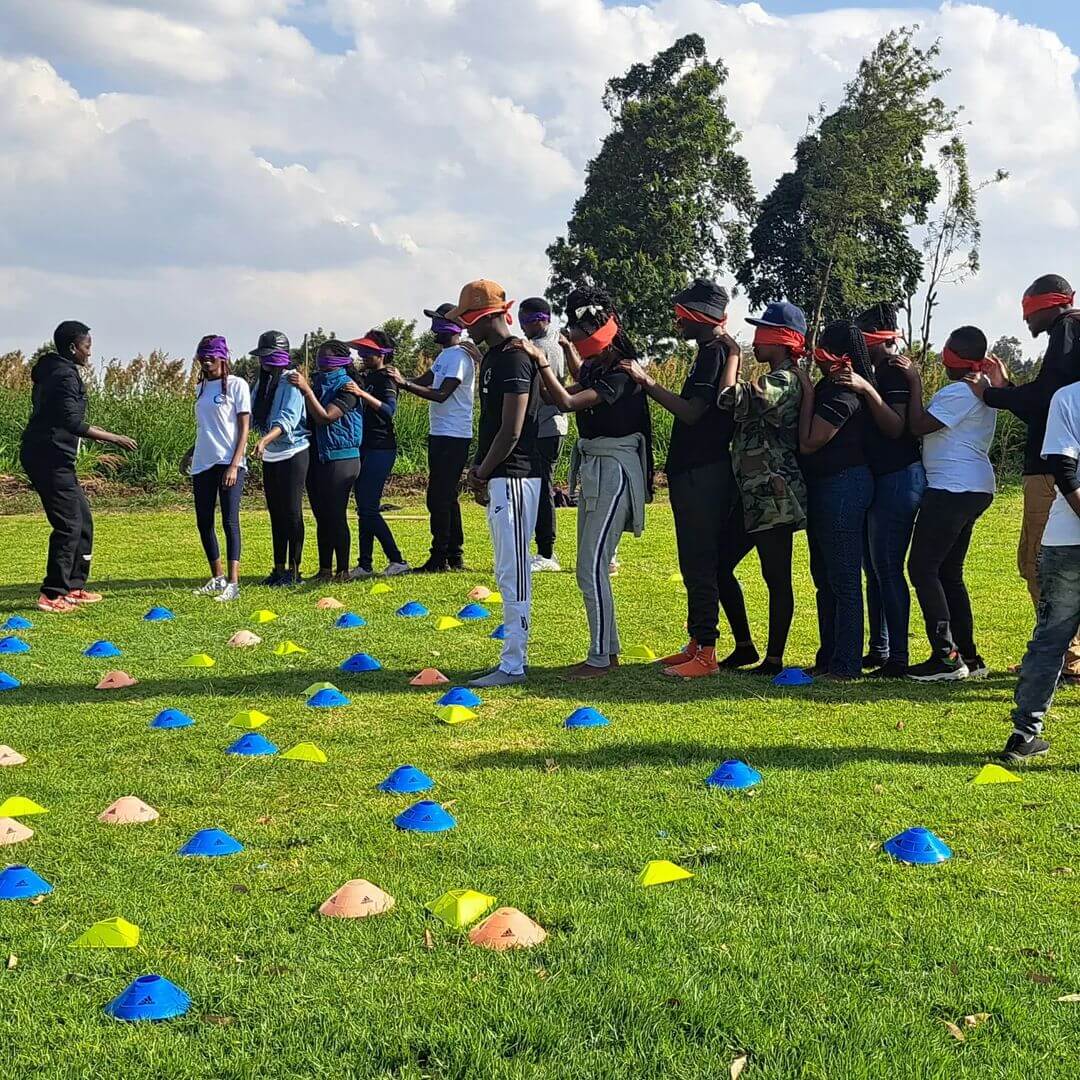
{"points": [[275, 359], [212, 348], [329, 360], [533, 317], [442, 326]]}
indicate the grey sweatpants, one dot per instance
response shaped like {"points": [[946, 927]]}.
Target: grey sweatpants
{"points": [[602, 517]]}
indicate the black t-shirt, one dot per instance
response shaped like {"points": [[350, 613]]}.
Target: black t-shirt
{"points": [[507, 369], [885, 455], [624, 408], [378, 425], [709, 440], [844, 410]]}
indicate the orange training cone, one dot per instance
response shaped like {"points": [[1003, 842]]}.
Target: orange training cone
{"points": [[13, 832], [243, 639], [428, 677], [328, 603], [507, 928], [357, 899], [128, 811], [115, 680], [11, 757], [481, 592]]}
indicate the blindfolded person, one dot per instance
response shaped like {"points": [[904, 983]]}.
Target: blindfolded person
{"points": [[49, 446]]}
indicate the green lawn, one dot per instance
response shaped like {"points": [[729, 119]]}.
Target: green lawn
{"points": [[798, 942]]}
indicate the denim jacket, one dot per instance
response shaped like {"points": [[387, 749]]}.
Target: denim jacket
{"points": [[343, 437], [287, 412]]}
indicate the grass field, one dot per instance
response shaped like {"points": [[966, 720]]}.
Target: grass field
{"points": [[797, 943]]}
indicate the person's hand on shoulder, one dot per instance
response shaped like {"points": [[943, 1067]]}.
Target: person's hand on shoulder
{"points": [[997, 372], [395, 375], [850, 380], [298, 379], [636, 372], [977, 383]]}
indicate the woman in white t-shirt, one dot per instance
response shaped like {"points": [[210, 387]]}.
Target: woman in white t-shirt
{"points": [[218, 465], [957, 430]]}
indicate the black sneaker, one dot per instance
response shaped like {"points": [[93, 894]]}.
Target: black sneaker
{"points": [[976, 666], [873, 660], [891, 669], [767, 668], [939, 669], [432, 566], [1021, 748], [271, 579], [455, 565], [287, 580], [741, 656]]}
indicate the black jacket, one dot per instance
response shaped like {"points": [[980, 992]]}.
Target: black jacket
{"points": [[1031, 401], [58, 411]]}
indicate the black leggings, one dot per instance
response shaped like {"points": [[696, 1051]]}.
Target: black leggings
{"points": [[283, 485], [774, 554], [329, 487], [207, 486]]}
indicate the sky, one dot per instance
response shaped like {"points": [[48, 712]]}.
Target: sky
{"points": [[179, 167]]}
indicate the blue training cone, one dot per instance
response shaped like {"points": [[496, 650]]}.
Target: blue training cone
{"points": [[19, 882], [212, 842], [918, 845], [425, 816], [406, 780], [13, 645], [8, 682], [474, 611], [460, 695], [792, 676], [17, 622], [349, 621], [733, 775], [100, 650], [499, 633], [360, 662], [327, 699], [413, 610], [158, 614], [149, 997], [586, 717], [171, 718], [251, 744]]}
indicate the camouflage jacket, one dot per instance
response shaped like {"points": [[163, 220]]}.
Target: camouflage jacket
{"points": [[764, 449]]}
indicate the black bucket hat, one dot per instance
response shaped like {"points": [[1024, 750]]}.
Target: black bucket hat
{"points": [[271, 341], [705, 297]]}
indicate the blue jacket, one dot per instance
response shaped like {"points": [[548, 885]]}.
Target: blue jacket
{"points": [[343, 437], [287, 412]]}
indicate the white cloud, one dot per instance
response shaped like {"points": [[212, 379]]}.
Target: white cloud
{"points": [[219, 171]]}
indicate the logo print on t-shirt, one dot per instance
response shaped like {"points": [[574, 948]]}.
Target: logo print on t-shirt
{"points": [[220, 399]]}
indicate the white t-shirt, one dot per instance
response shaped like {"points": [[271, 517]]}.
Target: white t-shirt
{"points": [[956, 457], [216, 422], [551, 423], [1063, 437], [453, 417]]}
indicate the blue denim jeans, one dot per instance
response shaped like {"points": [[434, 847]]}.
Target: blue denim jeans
{"points": [[835, 524], [375, 468], [889, 524], [1058, 622]]}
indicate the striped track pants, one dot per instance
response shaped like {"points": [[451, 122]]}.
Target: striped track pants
{"points": [[512, 508]]}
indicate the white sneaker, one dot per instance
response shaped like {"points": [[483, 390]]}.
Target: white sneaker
{"points": [[613, 567], [358, 573], [396, 568], [230, 592], [211, 588], [540, 564]]}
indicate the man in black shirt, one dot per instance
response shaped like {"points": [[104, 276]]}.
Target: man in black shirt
{"points": [[1048, 309], [505, 476]]}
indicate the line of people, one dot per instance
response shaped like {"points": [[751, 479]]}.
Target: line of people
{"points": [[877, 478]]}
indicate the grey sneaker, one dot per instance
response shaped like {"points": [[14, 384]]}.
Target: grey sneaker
{"points": [[211, 588], [498, 677], [358, 573], [396, 568], [230, 592]]}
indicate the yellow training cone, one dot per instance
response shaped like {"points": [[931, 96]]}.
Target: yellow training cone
{"points": [[199, 660], [305, 751], [660, 872], [19, 806], [447, 622], [315, 687], [262, 616], [455, 714], [243, 639], [249, 718], [459, 907], [108, 934], [329, 603], [639, 652], [288, 648], [11, 757], [379, 588], [675, 579], [995, 774], [13, 832], [495, 598]]}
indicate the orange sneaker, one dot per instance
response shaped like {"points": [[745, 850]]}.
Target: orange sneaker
{"points": [[688, 653], [702, 663], [81, 596], [57, 606]]}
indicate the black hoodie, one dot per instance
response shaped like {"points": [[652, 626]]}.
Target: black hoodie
{"points": [[58, 411]]}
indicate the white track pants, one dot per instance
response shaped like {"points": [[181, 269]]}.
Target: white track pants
{"points": [[511, 515]]}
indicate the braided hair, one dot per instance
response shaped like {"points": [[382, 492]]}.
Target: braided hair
{"points": [[879, 316], [589, 308], [843, 338]]}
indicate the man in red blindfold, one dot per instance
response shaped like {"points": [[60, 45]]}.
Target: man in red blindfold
{"points": [[1047, 309]]}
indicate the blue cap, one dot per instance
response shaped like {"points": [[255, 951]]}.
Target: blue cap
{"points": [[211, 842], [149, 997], [21, 883], [413, 610], [406, 780], [460, 695], [12, 644], [360, 662], [499, 633], [349, 621], [425, 816], [327, 699], [792, 676], [101, 649], [158, 614], [171, 718], [733, 775], [474, 611], [8, 682], [250, 744], [17, 622], [586, 717], [918, 845], [782, 314]]}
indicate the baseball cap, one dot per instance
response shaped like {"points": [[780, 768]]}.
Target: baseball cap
{"points": [[441, 312], [781, 313], [478, 298]]}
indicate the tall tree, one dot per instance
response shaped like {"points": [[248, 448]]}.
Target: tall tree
{"points": [[832, 236], [666, 198]]}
